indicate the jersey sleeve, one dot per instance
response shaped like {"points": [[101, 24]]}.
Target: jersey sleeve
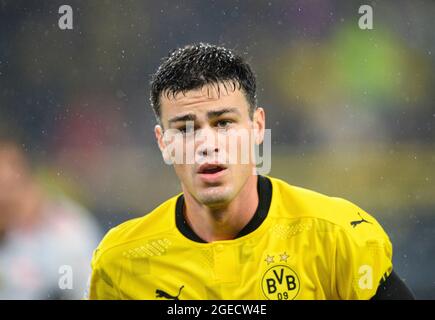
{"points": [[101, 285], [363, 258]]}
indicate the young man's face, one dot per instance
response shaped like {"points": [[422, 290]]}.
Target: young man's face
{"points": [[220, 134]]}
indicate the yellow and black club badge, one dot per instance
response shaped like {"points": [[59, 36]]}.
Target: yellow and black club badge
{"points": [[279, 281]]}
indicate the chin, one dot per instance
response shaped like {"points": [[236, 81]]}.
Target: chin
{"points": [[215, 196]]}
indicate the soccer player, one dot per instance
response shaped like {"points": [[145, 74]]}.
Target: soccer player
{"points": [[233, 234]]}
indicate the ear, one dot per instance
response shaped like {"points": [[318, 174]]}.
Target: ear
{"points": [[159, 134], [259, 122]]}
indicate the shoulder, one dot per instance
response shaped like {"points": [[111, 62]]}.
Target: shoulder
{"points": [[159, 221], [332, 213]]}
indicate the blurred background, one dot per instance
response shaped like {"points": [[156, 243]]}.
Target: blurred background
{"points": [[351, 111]]}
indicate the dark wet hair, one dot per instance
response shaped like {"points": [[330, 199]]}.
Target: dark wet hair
{"points": [[197, 65]]}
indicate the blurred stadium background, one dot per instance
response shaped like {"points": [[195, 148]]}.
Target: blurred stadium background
{"points": [[351, 111]]}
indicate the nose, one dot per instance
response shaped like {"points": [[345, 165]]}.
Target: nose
{"points": [[207, 144], [205, 151]]}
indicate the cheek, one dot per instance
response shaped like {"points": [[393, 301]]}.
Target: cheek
{"points": [[184, 171], [239, 146], [179, 169]]}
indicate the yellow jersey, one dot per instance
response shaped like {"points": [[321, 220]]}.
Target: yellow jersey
{"points": [[299, 244]]}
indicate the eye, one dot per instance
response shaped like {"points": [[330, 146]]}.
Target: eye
{"points": [[186, 129], [223, 123]]}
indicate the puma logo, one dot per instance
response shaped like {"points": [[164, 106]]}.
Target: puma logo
{"points": [[164, 294], [357, 222]]}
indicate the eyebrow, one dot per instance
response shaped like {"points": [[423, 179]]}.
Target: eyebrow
{"points": [[217, 113], [210, 114], [186, 117]]}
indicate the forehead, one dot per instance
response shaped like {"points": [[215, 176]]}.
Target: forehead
{"points": [[203, 99]]}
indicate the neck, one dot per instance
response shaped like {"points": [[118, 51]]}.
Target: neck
{"points": [[226, 221]]}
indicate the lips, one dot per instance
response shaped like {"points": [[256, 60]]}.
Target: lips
{"points": [[210, 168], [212, 174]]}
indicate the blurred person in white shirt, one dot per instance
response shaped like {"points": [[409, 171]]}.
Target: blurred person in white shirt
{"points": [[46, 243]]}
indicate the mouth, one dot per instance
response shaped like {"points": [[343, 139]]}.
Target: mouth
{"points": [[208, 168], [211, 172]]}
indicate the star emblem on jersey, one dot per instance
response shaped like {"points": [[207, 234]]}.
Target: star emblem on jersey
{"points": [[283, 257], [269, 259], [279, 281]]}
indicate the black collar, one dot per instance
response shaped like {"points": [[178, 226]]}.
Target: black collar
{"points": [[264, 189]]}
